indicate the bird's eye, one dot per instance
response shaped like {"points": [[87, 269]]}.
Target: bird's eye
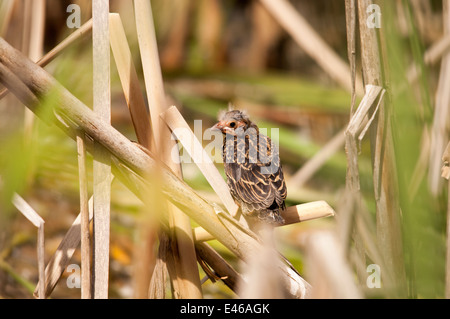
{"points": [[232, 124]]}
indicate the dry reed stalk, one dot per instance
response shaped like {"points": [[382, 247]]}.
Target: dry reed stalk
{"points": [[86, 285], [38, 222], [187, 279], [346, 230], [102, 166], [383, 158], [173, 50], [350, 19], [63, 254], [26, 22], [318, 160], [130, 81], [355, 127], [145, 257], [27, 80], [431, 56], [84, 30], [437, 50], [308, 39], [144, 261], [6, 11], [262, 276], [157, 286], [441, 122], [292, 215], [222, 269], [328, 268], [34, 23], [37, 30]]}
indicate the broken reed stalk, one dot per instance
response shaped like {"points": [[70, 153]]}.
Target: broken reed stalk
{"points": [[353, 212], [186, 279], [383, 158], [61, 258], [27, 80], [354, 128], [102, 166], [38, 222]]}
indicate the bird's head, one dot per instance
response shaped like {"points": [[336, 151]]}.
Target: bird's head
{"points": [[233, 121]]}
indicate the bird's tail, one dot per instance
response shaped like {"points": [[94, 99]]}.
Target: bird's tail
{"points": [[271, 216]]}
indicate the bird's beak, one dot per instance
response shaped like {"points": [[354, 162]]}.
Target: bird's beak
{"points": [[218, 126]]}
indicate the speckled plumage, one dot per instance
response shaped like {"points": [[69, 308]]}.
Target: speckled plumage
{"points": [[252, 166]]}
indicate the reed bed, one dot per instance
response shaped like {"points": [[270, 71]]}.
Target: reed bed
{"points": [[365, 151]]}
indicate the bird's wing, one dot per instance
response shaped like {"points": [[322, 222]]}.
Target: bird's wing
{"points": [[258, 182], [248, 185]]}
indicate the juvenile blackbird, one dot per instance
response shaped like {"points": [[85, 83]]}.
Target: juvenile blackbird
{"points": [[252, 166]]}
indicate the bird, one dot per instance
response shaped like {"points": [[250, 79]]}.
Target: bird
{"points": [[252, 168]]}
